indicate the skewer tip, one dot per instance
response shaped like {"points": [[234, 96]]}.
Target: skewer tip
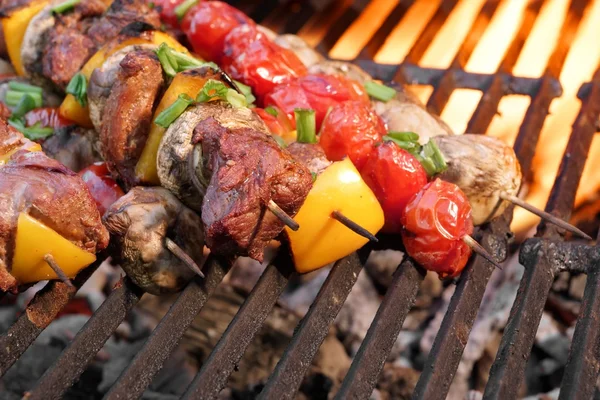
{"points": [[544, 215], [353, 226], [477, 248], [183, 256], [56, 268], [283, 216]]}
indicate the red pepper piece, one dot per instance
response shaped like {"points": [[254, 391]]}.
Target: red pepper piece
{"points": [[102, 187]]}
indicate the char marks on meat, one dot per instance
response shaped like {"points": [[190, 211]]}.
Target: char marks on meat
{"points": [[77, 35], [247, 169], [31, 182], [311, 155], [128, 113]]}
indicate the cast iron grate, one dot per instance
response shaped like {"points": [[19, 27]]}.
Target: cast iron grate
{"points": [[542, 256]]}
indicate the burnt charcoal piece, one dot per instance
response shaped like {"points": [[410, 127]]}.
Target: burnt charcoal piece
{"points": [[247, 169]]}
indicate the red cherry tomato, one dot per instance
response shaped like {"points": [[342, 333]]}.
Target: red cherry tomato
{"points": [[207, 24], [167, 11], [435, 221], [47, 117], [319, 92], [252, 58], [395, 176], [351, 129], [102, 187], [279, 125]]}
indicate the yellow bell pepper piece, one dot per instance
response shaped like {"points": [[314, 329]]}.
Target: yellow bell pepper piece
{"points": [[34, 241], [322, 239], [30, 146], [188, 83], [71, 109], [14, 27]]}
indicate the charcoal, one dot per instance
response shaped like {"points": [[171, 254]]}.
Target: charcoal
{"points": [[397, 383]]}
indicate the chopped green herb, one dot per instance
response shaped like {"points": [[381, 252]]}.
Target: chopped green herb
{"points": [[24, 87], [272, 110], [78, 88], [183, 8], [379, 91], [171, 113], [280, 141], [174, 61], [306, 126], [65, 6], [314, 176], [34, 132], [212, 89], [12, 98], [429, 155], [235, 98], [246, 91], [405, 136], [26, 104]]}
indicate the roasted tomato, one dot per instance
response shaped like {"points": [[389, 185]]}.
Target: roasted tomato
{"points": [[167, 11], [395, 176], [207, 24], [435, 222], [101, 185], [276, 120], [318, 92], [351, 129], [47, 117], [252, 58]]}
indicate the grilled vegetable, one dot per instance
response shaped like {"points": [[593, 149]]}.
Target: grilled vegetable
{"points": [[341, 68], [188, 83], [321, 239], [435, 222], [482, 167], [395, 176], [303, 50], [45, 209], [251, 57], [141, 222], [278, 123], [103, 188], [351, 129], [316, 92], [74, 111]]}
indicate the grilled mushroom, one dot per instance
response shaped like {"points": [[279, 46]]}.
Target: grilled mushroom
{"points": [[140, 224], [176, 145], [308, 55], [483, 167]]}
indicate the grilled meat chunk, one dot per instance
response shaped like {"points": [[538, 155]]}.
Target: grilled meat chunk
{"points": [[32, 183], [176, 146], [73, 147], [128, 113], [139, 223], [482, 167], [246, 169], [311, 155]]}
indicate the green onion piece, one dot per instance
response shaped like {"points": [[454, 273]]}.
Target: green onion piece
{"points": [[235, 98], [306, 125], [168, 63], [272, 110], [379, 91], [246, 91], [411, 147], [24, 87], [78, 88], [280, 141], [34, 132], [212, 89], [404, 136], [12, 98], [64, 6], [432, 152], [171, 113], [314, 176], [174, 61], [427, 163], [26, 104], [183, 8]]}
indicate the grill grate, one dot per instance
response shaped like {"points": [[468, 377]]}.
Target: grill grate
{"points": [[542, 256]]}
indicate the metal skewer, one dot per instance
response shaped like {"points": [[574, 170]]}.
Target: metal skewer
{"points": [[283, 216], [59, 272], [477, 248]]}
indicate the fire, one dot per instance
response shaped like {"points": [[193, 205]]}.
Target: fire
{"points": [[582, 60]]}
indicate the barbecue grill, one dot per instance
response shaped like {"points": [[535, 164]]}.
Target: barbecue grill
{"points": [[542, 256]]}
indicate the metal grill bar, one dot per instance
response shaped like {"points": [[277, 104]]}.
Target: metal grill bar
{"points": [[42, 310], [369, 361], [290, 370], [90, 339], [509, 367], [138, 375], [242, 329]]}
